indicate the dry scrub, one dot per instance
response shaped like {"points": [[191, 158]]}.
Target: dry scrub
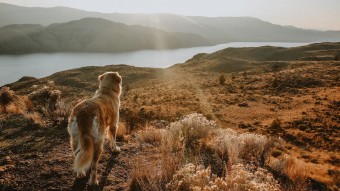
{"points": [[40, 107], [194, 154]]}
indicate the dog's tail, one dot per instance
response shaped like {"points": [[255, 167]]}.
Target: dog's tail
{"points": [[84, 155]]}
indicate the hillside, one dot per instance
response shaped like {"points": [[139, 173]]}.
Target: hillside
{"points": [[233, 59], [216, 29], [276, 125], [91, 35]]}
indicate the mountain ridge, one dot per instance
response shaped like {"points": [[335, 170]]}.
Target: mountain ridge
{"points": [[216, 29], [91, 35]]}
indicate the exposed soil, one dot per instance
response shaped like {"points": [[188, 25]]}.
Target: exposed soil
{"points": [[44, 162]]}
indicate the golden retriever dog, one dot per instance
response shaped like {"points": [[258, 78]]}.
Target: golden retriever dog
{"points": [[91, 120]]}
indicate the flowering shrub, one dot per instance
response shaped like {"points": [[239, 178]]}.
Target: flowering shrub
{"points": [[240, 178], [247, 147], [251, 178], [192, 128], [234, 160]]}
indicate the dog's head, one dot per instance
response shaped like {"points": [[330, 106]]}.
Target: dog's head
{"points": [[110, 81]]}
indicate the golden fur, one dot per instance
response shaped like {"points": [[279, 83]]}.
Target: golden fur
{"points": [[89, 122]]}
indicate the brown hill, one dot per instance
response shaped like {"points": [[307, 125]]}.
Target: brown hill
{"points": [[295, 101]]}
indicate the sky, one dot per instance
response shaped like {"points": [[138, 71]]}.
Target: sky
{"points": [[309, 14]]}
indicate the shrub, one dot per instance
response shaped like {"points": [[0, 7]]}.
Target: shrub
{"points": [[248, 148], [146, 175], [191, 177], [12, 103], [251, 178], [154, 174], [135, 120], [335, 175], [255, 148], [192, 128], [45, 97], [240, 178], [222, 79], [295, 171], [232, 161], [60, 114], [276, 124], [226, 144]]}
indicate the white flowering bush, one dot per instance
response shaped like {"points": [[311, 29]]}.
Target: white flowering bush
{"points": [[192, 177], [234, 160], [192, 128], [239, 178], [247, 147], [251, 178]]}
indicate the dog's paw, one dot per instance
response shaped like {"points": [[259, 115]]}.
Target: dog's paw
{"points": [[115, 149], [93, 182], [81, 174]]}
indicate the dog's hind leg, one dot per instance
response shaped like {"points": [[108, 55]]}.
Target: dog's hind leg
{"points": [[96, 156], [113, 133], [112, 137]]}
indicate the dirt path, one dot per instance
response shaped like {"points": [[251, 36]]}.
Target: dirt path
{"points": [[50, 168]]}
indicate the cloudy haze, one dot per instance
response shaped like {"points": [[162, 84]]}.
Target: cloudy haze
{"points": [[311, 14]]}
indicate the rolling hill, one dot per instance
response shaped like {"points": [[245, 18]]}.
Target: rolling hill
{"points": [[216, 29], [91, 35], [235, 59], [296, 106]]}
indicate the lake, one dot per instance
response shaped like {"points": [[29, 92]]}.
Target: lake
{"points": [[13, 67]]}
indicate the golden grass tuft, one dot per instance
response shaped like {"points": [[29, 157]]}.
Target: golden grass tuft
{"points": [[35, 119], [150, 135]]}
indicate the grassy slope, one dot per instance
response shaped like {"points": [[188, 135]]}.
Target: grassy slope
{"points": [[302, 94]]}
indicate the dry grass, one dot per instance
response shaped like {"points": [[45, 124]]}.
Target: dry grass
{"points": [[12, 103], [122, 134], [233, 147], [294, 170], [150, 135], [154, 173], [35, 119]]}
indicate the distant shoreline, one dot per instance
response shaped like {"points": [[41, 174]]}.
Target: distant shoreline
{"points": [[13, 67]]}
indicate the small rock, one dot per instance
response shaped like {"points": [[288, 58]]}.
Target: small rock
{"points": [[8, 160], [243, 105], [2, 169]]}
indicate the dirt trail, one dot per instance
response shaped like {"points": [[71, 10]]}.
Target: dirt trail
{"points": [[51, 168]]}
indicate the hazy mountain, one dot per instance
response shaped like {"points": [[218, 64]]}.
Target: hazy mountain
{"points": [[217, 29], [91, 35]]}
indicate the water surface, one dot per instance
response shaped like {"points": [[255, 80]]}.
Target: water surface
{"points": [[13, 67]]}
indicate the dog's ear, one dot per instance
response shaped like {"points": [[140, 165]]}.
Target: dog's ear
{"points": [[100, 77], [117, 78]]}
